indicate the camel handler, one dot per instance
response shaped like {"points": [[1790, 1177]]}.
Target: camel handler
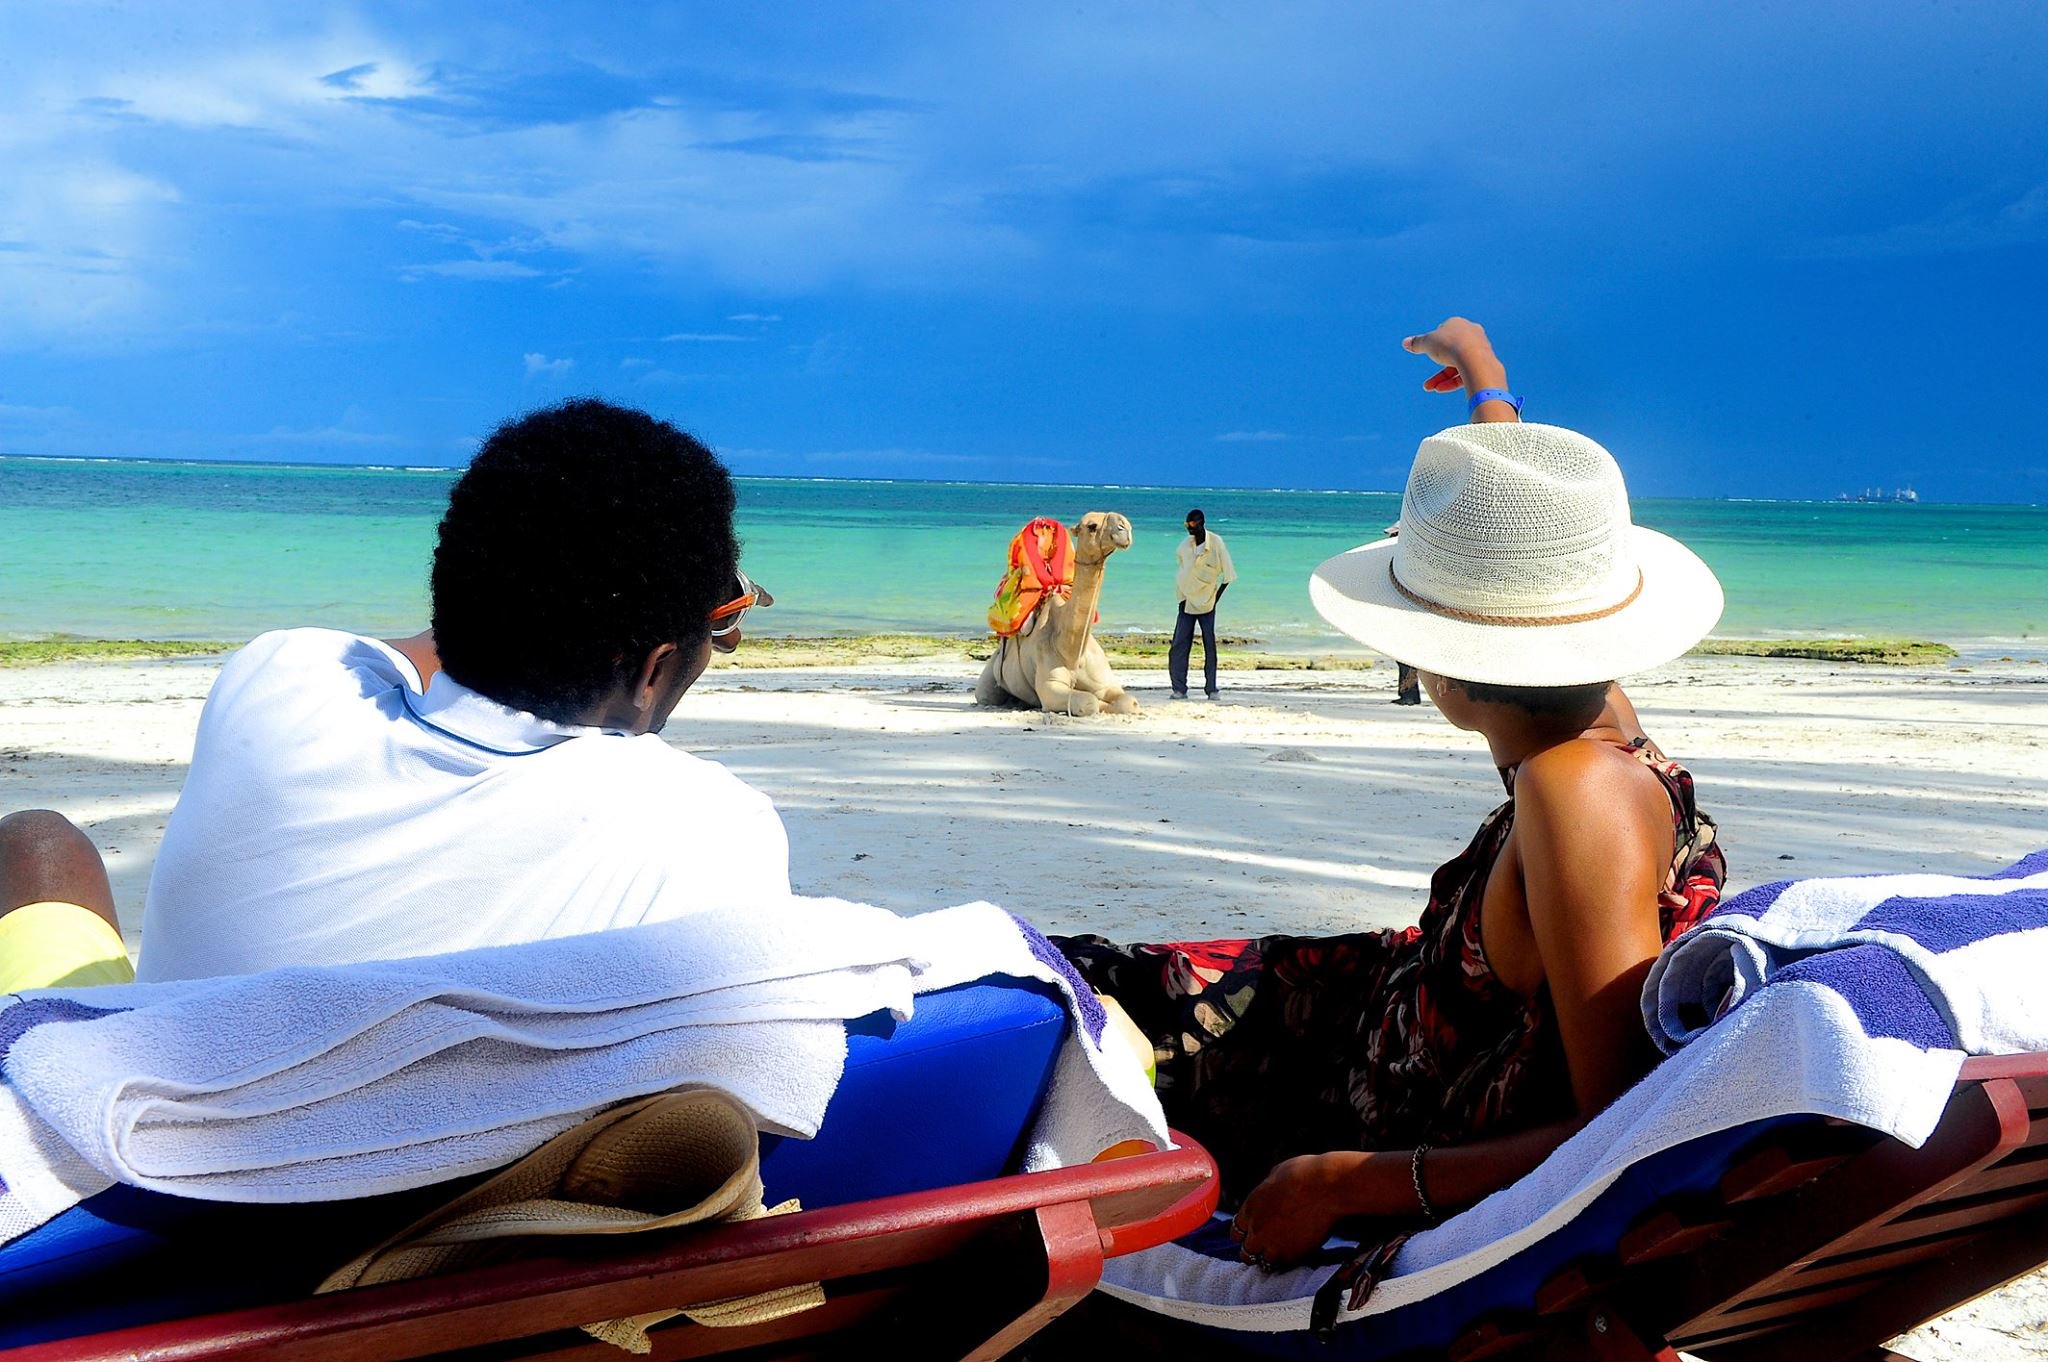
{"points": [[1204, 574]]}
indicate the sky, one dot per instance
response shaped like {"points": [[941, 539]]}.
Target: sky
{"points": [[1778, 250]]}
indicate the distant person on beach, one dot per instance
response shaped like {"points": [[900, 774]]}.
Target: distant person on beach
{"points": [[1204, 573], [497, 778], [1383, 1078], [1407, 681]]}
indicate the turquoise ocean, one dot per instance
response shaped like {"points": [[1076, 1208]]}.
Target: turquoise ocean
{"points": [[182, 550]]}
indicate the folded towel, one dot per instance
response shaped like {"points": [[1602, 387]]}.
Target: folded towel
{"points": [[1972, 942], [313, 1083], [1867, 1021], [325, 1083]]}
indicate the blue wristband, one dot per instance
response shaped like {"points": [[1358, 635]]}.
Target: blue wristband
{"points": [[1493, 395]]}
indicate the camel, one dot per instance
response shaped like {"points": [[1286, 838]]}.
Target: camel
{"points": [[1055, 664]]}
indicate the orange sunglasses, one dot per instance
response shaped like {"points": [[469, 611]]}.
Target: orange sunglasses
{"points": [[735, 610]]}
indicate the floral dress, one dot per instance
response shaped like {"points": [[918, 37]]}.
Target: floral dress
{"points": [[1290, 1045]]}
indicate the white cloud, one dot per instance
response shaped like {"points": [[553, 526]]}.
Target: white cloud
{"points": [[705, 336], [483, 270], [440, 231], [77, 241], [635, 362], [919, 177], [669, 378], [288, 86], [352, 427], [14, 411], [917, 458], [540, 366], [1960, 227], [325, 435], [1232, 437]]}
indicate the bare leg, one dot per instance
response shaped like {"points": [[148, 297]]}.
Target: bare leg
{"points": [[44, 856]]}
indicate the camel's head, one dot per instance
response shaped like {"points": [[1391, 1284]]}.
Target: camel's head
{"points": [[1100, 534]]}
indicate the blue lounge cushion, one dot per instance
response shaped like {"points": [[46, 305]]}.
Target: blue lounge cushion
{"points": [[942, 1099]]}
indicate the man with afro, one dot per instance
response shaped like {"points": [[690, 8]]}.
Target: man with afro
{"points": [[497, 778]]}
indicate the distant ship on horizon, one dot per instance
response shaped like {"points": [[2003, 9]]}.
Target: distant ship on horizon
{"points": [[1903, 496]]}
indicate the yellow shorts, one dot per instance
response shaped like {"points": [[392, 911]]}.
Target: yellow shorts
{"points": [[60, 945]]}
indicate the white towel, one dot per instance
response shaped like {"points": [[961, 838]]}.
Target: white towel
{"points": [[1866, 1020], [327, 1083]]}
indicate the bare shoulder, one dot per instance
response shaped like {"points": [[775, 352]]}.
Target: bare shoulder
{"points": [[1586, 784]]}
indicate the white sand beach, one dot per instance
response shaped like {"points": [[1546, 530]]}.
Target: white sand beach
{"points": [[1301, 801]]}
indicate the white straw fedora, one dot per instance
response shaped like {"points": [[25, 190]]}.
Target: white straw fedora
{"points": [[689, 1157], [1517, 564]]}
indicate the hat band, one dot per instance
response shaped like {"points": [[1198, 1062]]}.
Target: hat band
{"points": [[1522, 621]]}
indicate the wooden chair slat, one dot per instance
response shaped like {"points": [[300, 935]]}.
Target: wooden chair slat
{"points": [[1836, 1212], [2028, 1168], [1793, 1304], [1787, 1158], [1665, 1234], [1573, 1286], [1868, 1264], [1961, 1213], [1907, 1298], [1774, 1172], [1725, 1345], [1492, 1338]]}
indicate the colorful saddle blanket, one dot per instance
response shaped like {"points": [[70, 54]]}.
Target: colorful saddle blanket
{"points": [[1041, 561]]}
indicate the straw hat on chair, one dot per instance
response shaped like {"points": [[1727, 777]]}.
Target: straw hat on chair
{"points": [[681, 1158]]}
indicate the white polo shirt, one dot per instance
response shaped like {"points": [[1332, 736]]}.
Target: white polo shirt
{"points": [[333, 813]]}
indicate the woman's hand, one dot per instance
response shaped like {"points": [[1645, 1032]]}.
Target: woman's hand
{"points": [[1289, 1215], [1468, 361], [1454, 344]]}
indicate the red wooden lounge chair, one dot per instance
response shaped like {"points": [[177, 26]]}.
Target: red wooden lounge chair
{"points": [[1821, 1241], [1816, 1240], [967, 1272]]}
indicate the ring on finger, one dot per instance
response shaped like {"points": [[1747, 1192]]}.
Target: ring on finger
{"points": [[1237, 1231]]}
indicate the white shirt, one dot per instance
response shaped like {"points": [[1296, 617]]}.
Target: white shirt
{"points": [[333, 813], [1204, 570]]}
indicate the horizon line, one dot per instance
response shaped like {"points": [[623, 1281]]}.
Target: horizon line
{"points": [[1840, 499]]}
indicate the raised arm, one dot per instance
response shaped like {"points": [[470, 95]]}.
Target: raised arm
{"points": [[1469, 365]]}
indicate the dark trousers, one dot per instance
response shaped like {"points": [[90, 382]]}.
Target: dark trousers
{"points": [[1184, 642]]}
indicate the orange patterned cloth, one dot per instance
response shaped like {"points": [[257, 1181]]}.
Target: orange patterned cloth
{"points": [[1041, 561]]}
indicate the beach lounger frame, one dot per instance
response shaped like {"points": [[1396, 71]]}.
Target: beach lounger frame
{"points": [[1821, 1241], [963, 1272]]}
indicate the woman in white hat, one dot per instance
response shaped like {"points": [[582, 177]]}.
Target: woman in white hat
{"points": [[1398, 1075]]}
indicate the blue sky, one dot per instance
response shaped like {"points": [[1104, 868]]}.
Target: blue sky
{"points": [[1758, 250]]}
